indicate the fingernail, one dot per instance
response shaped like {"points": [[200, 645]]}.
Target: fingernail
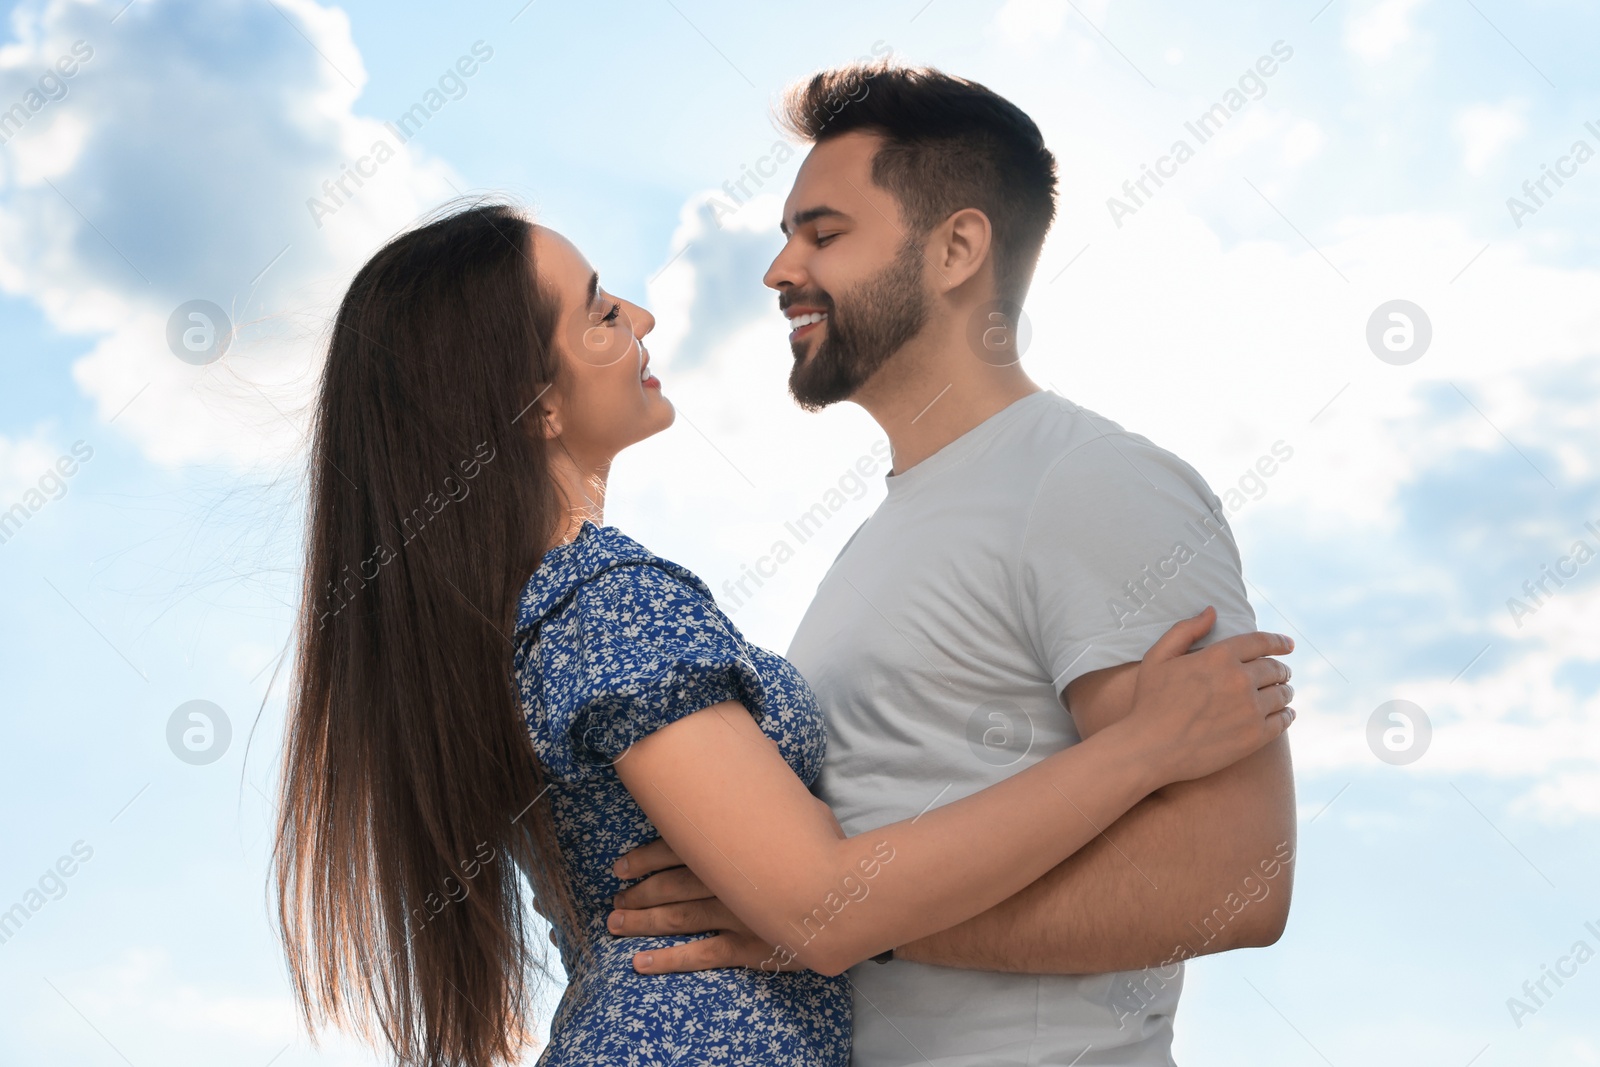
{"points": [[621, 866], [643, 961], [614, 922]]}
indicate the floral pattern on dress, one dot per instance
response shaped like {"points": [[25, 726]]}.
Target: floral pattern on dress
{"points": [[612, 643]]}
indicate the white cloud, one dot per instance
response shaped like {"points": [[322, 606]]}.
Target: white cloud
{"points": [[1255, 124], [1374, 34], [1485, 130], [140, 998], [1564, 794], [1302, 142], [1028, 26], [199, 178], [713, 276], [141, 983], [23, 462]]}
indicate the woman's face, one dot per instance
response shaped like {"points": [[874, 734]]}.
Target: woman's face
{"points": [[607, 399]]}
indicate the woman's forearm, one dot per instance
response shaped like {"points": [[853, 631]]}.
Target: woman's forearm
{"points": [[725, 800], [894, 884], [730, 808]]}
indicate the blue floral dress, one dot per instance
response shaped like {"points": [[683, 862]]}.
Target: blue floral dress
{"points": [[613, 642]]}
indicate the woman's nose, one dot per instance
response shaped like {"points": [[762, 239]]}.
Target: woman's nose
{"points": [[643, 321]]}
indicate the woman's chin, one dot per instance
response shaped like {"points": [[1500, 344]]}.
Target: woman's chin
{"points": [[659, 413]]}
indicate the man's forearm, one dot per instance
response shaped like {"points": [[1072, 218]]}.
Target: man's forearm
{"points": [[1197, 867]]}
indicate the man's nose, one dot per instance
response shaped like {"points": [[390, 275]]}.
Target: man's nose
{"points": [[785, 271]]}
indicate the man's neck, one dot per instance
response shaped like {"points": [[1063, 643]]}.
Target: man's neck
{"points": [[931, 393]]}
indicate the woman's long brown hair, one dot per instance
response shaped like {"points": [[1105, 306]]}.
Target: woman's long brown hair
{"points": [[411, 804]]}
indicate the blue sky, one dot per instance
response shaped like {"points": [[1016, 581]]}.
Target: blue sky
{"points": [[1226, 314]]}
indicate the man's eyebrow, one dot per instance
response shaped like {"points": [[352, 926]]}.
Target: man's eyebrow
{"points": [[811, 214], [594, 286]]}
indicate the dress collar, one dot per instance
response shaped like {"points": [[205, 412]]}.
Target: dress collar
{"points": [[595, 550]]}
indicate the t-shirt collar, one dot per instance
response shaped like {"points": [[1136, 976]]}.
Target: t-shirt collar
{"points": [[961, 449]]}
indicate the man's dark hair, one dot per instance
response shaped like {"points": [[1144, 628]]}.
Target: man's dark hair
{"points": [[948, 144]]}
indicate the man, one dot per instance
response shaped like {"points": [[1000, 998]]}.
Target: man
{"points": [[1027, 554]]}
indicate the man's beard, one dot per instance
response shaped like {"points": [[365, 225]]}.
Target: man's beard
{"points": [[869, 325]]}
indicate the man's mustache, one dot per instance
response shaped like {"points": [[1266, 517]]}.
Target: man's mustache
{"points": [[817, 299]]}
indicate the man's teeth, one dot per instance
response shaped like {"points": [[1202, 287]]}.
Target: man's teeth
{"points": [[806, 320]]}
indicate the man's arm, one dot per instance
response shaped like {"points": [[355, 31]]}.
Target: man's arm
{"points": [[1195, 868], [1198, 867]]}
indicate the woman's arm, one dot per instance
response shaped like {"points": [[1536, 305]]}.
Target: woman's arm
{"points": [[727, 803]]}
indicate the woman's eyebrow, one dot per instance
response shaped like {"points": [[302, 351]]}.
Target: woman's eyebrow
{"points": [[594, 286]]}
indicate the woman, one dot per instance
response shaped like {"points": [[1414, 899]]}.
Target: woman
{"points": [[492, 685]]}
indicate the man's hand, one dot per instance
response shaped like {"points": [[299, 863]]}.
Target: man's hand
{"points": [[1101, 910], [673, 900]]}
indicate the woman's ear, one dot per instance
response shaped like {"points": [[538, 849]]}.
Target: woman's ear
{"points": [[546, 408]]}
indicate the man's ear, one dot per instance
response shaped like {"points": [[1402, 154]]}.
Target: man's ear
{"points": [[964, 243]]}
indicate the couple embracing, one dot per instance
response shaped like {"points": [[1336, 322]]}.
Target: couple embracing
{"points": [[980, 811]]}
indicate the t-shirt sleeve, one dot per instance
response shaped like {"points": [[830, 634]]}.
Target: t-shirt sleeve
{"points": [[1123, 540], [637, 648]]}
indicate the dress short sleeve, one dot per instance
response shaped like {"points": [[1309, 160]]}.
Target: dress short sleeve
{"points": [[636, 648]]}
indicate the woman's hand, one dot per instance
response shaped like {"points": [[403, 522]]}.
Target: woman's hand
{"points": [[1198, 712]]}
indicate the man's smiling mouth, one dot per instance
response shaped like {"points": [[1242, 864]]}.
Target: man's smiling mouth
{"points": [[802, 322]]}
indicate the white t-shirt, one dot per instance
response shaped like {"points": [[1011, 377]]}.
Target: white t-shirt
{"points": [[1044, 543]]}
